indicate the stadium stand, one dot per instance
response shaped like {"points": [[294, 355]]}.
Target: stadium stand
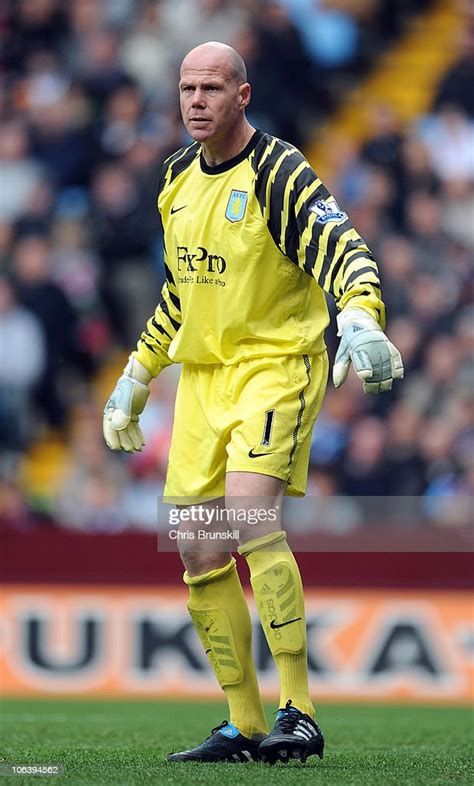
{"points": [[87, 113]]}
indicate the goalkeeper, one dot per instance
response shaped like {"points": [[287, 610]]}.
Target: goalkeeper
{"points": [[252, 240]]}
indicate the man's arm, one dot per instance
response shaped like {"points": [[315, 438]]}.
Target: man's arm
{"points": [[153, 344], [310, 228], [122, 411], [127, 402]]}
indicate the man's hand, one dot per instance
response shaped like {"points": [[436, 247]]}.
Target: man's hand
{"points": [[127, 402], [376, 361]]}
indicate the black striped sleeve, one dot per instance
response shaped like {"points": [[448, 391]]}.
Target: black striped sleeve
{"points": [[338, 258], [309, 227], [179, 162], [161, 328]]}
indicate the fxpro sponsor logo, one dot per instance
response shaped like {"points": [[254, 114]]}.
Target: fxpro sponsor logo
{"points": [[199, 260], [200, 266]]}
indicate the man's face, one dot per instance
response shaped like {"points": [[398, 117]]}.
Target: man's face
{"points": [[211, 101]]}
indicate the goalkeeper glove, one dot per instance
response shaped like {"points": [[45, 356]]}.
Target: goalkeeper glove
{"points": [[127, 402], [376, 361]]}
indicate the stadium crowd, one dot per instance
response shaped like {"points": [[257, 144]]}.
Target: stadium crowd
{"points": [[88, 111]]}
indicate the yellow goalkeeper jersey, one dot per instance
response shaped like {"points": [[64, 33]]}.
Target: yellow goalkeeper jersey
{"points": [[251, 245]]}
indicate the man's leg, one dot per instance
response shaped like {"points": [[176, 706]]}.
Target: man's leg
{"points": [[196, 470], [276, 583], [220, 614], [278, 591]]}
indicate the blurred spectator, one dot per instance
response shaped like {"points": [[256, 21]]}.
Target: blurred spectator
{"points": [[457, 211], [38, 293], [430, 389], [147, 51], [90, 497], [364, 469], [75, 267], [121, 223], [191, 22], [333, 425], [415, 175], [383, 147], [406, 334], [6, 243], [122, 121], [455, 88], [436, 441], [61, 137], [430, 244], [16, 512], [85, 16], [449, 138], [464, 332], [37, 216], [19, 173], [330, 34], [96, 63], [398, 270], [278, 65], [405, 466], [36, 25], [432, 304], [123, 227], [22, 364]]}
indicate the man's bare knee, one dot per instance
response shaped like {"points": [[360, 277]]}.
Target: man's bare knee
{"points": [[199, 561], [199, 555], [259, 499]]}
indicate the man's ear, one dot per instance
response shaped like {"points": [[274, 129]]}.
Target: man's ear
{"points": [[245, 94]]}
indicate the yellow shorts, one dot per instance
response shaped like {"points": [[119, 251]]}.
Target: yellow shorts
{"points": [[256, 416]]}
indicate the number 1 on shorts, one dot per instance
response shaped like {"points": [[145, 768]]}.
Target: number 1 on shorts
{"points": [[267, 429]]}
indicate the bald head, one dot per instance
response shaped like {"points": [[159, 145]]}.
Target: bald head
{"points": [[218, 57], [213, 95]]}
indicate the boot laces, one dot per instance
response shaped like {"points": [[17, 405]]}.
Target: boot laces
{"points": [[289, 720], [218, 728]]}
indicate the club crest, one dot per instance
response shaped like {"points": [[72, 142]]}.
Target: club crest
{"points": [[236, 205]]}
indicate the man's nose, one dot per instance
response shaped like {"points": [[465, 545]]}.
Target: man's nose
{"points": [[198, 98]]}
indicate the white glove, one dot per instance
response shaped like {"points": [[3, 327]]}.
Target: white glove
{"points": [[127, 402], [375, 359]]}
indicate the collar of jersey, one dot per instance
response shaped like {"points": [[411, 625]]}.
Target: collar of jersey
{"points": [[226, 165]]}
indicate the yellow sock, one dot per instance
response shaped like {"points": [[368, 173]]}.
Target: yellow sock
{"points": [[220, 614], [278, 592]]}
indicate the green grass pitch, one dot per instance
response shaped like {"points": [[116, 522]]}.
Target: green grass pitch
{"points": [[125, 743]]}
